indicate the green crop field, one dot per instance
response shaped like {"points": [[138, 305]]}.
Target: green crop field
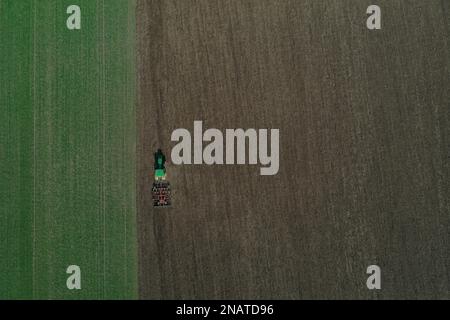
{"points": [[67, 149]]}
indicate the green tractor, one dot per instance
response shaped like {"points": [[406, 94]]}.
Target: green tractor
{"points": [[160, 168], [161, 187]]}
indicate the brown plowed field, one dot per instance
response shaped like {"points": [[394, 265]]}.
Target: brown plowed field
{"points": [[364, 149]]}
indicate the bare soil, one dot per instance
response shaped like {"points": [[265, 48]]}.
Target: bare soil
{"points": [[364, 152]]}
